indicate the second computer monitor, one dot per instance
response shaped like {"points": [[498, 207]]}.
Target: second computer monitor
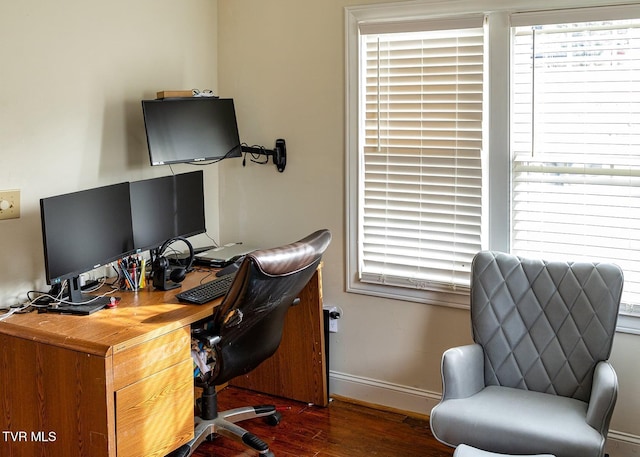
{"points": [[167, 207], [190, 216]]}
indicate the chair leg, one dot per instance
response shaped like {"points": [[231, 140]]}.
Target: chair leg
{"points": [[182, 451], [224, 423], [233, 431]]}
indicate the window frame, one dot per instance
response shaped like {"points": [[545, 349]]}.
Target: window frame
{"points": [[498, 163], [456, 298]]}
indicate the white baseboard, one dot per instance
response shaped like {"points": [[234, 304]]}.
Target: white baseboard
{"points": [[420, 401], [382, 393], [620, 444]]}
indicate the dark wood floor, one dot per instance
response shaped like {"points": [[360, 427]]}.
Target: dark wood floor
{"points": [[341, 430]]}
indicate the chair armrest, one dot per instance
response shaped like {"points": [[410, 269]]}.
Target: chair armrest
{"points": [[462, 371], [604, 393]]}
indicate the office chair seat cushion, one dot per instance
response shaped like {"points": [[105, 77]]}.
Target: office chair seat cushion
{"points": [[510, 420], [468, 451]]}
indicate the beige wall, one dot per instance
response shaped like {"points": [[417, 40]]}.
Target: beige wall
{"points": [[283, 62], [72, 74]]}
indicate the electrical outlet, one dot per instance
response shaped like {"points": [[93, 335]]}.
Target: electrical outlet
{"points": [[9, 204], [334, 315]]}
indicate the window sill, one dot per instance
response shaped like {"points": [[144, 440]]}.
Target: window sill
{"points": [[628, 323], [430, 297]]}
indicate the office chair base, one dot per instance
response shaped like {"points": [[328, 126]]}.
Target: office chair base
{"points": [[225, 425]]}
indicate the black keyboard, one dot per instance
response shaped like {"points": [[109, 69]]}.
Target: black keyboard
{"points": [[207, 291]]}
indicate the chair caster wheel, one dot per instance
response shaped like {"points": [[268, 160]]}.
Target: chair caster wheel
{"points": [[273, 419]]}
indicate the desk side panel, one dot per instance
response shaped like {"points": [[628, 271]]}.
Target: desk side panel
{"points": [[298, 368], [54, 401]]}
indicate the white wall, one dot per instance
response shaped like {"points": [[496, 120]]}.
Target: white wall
{"points": [[283, 62], [72, 74]]}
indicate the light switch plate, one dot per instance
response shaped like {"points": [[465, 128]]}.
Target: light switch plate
{"points": [[9, 204]]}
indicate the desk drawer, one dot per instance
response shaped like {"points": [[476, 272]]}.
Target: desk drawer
{"points": [[155, 415], [138, 362]]}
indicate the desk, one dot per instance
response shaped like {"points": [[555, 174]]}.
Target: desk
{"points": [[119, 382]]}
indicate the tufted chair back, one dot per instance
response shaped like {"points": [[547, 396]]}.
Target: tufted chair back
{"points": [[543, 325]]}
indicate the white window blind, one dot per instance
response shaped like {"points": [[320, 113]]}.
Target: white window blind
{"points": [[420, 152], [575, 140]]}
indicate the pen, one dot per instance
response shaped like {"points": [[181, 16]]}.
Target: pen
{"points": [[134, 275], [143, 273]]}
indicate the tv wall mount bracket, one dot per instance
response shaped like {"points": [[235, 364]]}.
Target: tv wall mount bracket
{"points": [[278, 153]]}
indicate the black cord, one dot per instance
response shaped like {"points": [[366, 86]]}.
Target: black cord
{"points": [[115, 283], [43, 298], [210, 162], [255, 156]]}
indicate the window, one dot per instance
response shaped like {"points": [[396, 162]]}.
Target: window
{"points": [[420, 145], [545, 137], [576, 143]]}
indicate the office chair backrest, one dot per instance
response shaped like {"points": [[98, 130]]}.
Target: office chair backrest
{"points": [[543, 325], [251, 317]]}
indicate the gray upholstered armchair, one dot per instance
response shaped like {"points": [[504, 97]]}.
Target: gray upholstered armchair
{"points": [[537, 378]]}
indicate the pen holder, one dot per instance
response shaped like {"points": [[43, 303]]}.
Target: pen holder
{"points": [[132, 273]]}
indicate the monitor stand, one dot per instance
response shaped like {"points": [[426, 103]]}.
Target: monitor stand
{"points": [[79, 303]]}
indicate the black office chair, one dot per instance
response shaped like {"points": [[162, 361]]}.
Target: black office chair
{"points": [[246, 329]]}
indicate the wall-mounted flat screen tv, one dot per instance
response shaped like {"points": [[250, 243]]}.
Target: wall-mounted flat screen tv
{"points": [[189, 130]]}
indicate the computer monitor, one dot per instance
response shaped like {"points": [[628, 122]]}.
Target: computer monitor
{"points": [[188, 130], [166, 207], [190, 216], [84, 230], [153, 212]]}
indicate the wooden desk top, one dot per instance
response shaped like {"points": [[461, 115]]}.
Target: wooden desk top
{"points": [[139, 317]]}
